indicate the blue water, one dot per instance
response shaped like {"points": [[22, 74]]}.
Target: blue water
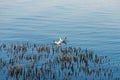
{"points": [[92, 24]]}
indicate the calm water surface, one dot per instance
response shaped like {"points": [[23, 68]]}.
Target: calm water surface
{"points": [[92, 24]]}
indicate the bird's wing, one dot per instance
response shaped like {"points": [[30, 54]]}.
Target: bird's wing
{"points": [[64, 42], [65, 38], [60, 38]]}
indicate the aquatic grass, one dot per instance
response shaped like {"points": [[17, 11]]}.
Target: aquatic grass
{"points": [[49, 62]]}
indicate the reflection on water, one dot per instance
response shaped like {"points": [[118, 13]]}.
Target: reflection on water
{"points": [[89, 24]]}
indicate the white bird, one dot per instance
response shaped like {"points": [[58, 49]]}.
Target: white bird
{"points": [[60, 41]]}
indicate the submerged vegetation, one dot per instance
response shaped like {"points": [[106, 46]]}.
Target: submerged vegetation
{"points": [[49, 62]]}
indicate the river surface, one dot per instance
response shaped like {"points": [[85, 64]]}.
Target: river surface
{"points": [[92, 24]]}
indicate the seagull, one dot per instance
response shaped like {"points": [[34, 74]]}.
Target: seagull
{"points": [[60, 41]]}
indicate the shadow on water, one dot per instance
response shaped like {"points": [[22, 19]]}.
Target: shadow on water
{"points": [[48, 62]]}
